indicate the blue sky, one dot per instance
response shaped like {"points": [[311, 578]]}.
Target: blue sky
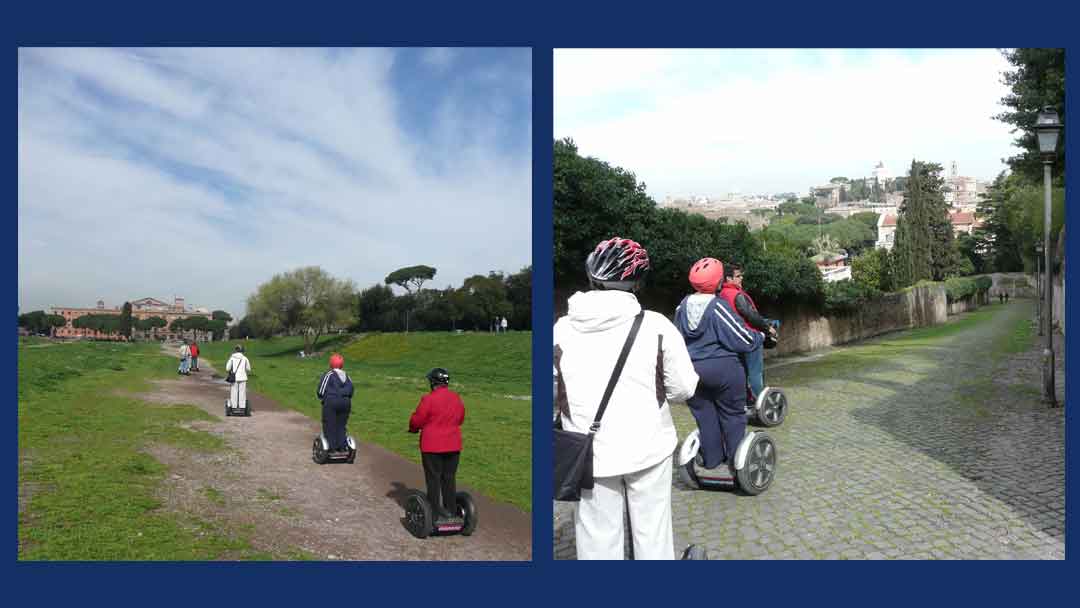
{"points": [[203, 172], [714, 121]]}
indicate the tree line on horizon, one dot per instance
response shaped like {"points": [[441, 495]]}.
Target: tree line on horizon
{"points": [[124, 324], [311, 302]]}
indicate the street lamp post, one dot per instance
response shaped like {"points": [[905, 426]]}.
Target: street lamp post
{"points": [[1038, 286], [1047, 129]]}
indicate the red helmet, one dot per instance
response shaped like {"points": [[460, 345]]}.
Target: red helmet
{"points": [[617, 263], [706, 275], [337, 361]]}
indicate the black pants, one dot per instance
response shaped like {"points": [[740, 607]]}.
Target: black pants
{"points": [[719, 407], [440, 471], [334, 416]]}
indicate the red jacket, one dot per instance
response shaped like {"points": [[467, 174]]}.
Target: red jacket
{"points": [[194, 350], [729, 291], [439, 415]]}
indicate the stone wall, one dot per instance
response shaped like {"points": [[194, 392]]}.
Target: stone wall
{"points": [[1016, 284], [804, 331], [969, 303]]}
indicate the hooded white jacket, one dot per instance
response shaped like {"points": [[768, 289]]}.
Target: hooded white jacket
{"points": [[636, 431], [238, 363]]}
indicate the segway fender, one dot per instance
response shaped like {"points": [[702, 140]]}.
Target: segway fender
{"points": [[743, 449], [689, 447]]}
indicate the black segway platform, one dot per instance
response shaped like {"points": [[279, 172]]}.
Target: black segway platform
{"points": [[421, 522]]}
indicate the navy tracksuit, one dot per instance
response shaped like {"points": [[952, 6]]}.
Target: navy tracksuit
{"points": [[336, 396], [719, 404]]}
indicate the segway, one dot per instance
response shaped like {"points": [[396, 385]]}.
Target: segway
{"points": [[770, 407], [322, 454], [422, 523], [755, 465], [237, 411]]}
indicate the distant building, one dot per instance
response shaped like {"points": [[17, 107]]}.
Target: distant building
{"points": [[143, 308], [961, 191], [833, 266], [881, 174], [963, 222], [827, 196], [886, 231]]}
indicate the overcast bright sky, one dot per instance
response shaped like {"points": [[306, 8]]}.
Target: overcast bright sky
{"points": [[710, 122], [203, 172]]}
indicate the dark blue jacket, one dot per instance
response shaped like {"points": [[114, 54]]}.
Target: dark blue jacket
{"points": [[332, 390], [720, 333]]}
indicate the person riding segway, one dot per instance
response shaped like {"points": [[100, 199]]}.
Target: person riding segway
{"points": [[716, 339], [335, 391], [438, 419], [765, 404]]}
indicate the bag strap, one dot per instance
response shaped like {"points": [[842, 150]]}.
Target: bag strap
{"points": [[618, 371]]}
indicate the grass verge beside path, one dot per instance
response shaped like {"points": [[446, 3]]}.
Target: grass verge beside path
{"points": [[492, 372], [86, 491]]}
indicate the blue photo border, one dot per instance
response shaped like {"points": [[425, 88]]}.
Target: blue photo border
{"points": [[542, 26]]}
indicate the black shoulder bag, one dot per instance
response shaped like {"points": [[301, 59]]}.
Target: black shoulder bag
{"points": [[573, 451], [231, 378]]}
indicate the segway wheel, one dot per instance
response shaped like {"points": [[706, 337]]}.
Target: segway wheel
{"points": [[695, 552], [773, 408], [228, 411], [760, 467], [247, 410], [689, 476], [318, 454], [418, 517], [467, 511]]}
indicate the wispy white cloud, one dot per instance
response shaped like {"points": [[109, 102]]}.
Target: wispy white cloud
{"points": [[203, 172], [709, 122]]}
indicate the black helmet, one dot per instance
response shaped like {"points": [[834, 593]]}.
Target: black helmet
{"points": [[238, 349], [438, 376], [617, 263]]}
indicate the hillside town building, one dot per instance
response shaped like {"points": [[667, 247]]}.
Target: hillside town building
{"points": [[143, 308], [963, 222]]}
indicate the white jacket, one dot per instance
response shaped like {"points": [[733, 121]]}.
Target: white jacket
{"points": [[636, 431], [185, 351], [238, 363]]}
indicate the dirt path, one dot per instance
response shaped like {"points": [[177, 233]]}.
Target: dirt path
{"points": [[266, 483]]}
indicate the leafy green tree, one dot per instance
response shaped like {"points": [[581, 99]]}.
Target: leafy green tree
{"points": [[967, 247], [1037, 80], [873, 269], [411, 278], [488, 298], [217, 328], [243, 329], [221, 315], [126, 323], [39, 322], [519, 293], [150, 325], [106, 324], [307, 301], [372, 306], [924, 234]]}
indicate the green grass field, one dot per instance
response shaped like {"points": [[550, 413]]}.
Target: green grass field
{"points": [[492, 372], [89, 492]]}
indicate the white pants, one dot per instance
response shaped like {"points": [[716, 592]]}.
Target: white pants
{"points": [[238, 394], [598, 527]]}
